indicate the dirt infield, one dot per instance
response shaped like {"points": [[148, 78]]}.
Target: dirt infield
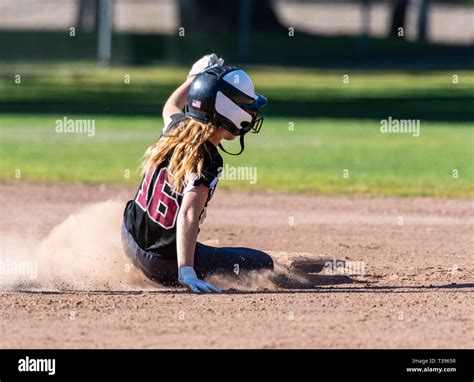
{"points": [[407, 280]]}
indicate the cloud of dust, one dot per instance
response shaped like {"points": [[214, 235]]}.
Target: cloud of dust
{"points": [[252, 281], [85, 253], [280, 277], [82, 253]]}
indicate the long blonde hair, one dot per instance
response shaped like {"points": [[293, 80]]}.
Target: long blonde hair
{"points": [[183, 146]]}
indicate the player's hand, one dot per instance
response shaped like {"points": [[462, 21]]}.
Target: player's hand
{"points": [[187, 277], [207, 62]]}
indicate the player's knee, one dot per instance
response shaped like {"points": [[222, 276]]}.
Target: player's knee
{"points": [[267, 261], [262, 260]]}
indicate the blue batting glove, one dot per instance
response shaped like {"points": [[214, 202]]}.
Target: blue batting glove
{"points": [[188, 278]]}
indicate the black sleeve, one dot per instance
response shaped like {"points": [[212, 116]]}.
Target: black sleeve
{"points": [[175, 120], [210, 172]]}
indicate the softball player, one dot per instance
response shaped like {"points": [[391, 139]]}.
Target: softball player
{"points": [[180, 173]]}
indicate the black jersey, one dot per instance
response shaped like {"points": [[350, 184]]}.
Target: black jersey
{"points": [[151, 216]]}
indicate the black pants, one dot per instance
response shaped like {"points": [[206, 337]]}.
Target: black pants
{"points": [[207, 261]]}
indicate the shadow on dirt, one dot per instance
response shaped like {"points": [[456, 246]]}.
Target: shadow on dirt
{"points": [[367, 288], [314, 284], [312, 281]]}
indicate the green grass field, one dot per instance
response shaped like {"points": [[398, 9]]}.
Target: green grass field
{"points": [[317, 127]]}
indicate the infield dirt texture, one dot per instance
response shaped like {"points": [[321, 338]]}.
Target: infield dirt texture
{"points": [[415, 291]]}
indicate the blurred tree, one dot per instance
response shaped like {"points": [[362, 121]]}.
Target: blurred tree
{"points": [[399, 18], [423, 19], [223, 16], [87, 16]]}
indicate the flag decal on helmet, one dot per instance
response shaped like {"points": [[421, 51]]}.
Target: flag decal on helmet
{"points": [[196, 104]]}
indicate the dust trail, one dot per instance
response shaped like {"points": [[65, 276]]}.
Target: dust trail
{"points": [[291, 271], [82, 253], [252, 281], [280, 277], [85, 253]]}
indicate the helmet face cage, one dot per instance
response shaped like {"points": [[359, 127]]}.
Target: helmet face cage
{"points": [[257, 125], [254, 126], [255, 110]]}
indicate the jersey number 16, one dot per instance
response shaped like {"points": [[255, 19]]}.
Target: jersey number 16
{"points": [[161, 206]]}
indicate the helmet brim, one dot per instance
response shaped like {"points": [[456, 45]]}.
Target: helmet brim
{"points": [[261, 101]]}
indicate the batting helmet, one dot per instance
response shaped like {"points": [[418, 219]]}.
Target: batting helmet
{"points": [[225, 96]]}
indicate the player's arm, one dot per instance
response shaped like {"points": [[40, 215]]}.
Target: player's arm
{"points": [[187, 224], [177, 101], [187, 228]]}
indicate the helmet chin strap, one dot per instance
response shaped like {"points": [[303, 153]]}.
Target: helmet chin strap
{"points": [[242, 145]]}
